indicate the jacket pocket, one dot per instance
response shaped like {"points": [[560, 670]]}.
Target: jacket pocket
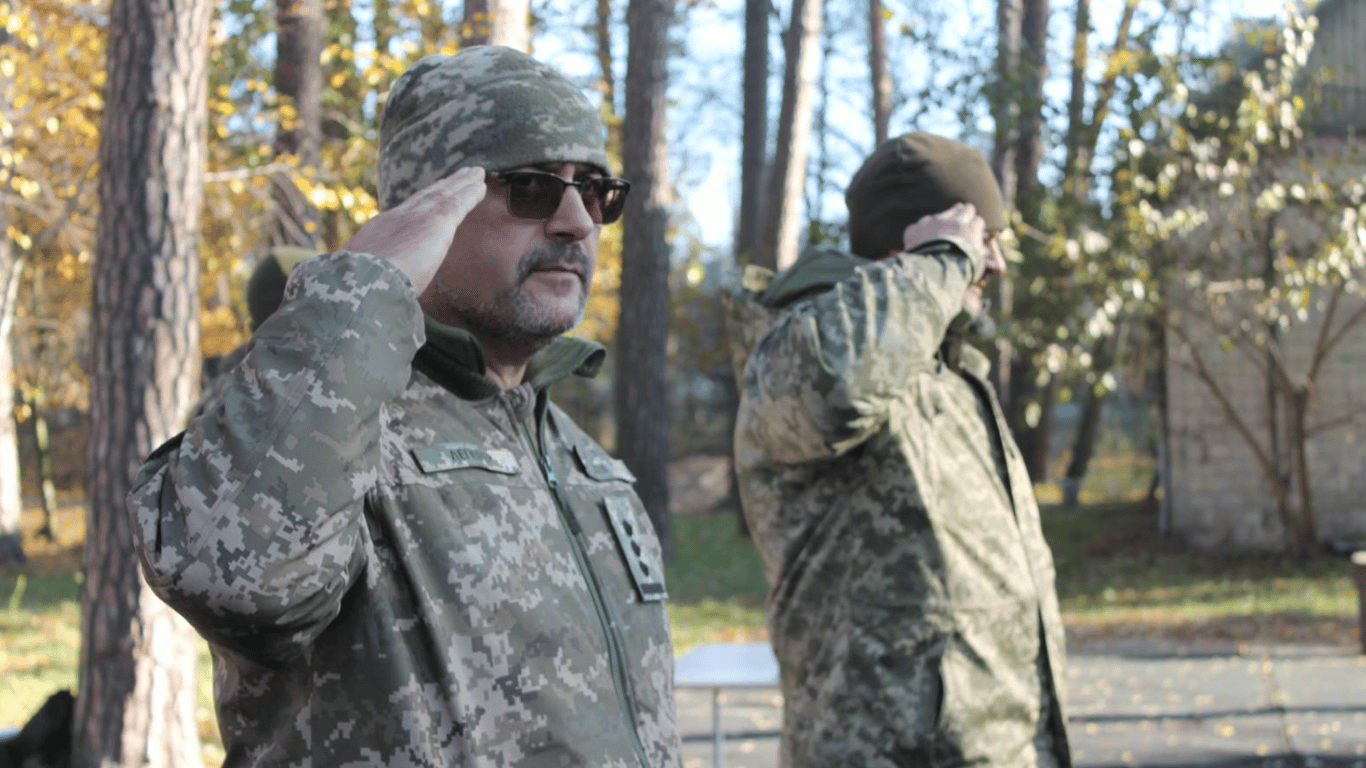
{"points": [[894, 674], [990, 674]]}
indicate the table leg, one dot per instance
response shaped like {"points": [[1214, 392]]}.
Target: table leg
{"points": [[717, 736]]}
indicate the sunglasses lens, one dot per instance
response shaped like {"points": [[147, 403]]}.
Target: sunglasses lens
{"points": [[537, 195], [533, 195], [611, 194]]}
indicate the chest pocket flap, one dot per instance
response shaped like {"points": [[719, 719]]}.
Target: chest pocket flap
{"points": [[601, 467], [445, 457]]}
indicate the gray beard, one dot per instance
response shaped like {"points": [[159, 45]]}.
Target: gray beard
{"points": [[514, 319]]}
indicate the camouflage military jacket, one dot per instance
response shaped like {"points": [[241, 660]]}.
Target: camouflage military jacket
{"points": [[395, 562], [912, 609]]}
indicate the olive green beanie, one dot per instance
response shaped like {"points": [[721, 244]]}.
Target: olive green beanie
{"points": [[266, 286], [913, 176], [486, 106]]}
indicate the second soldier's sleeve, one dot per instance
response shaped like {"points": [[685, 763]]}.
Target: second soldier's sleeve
{"points": [[824, 377], [250, 524]]}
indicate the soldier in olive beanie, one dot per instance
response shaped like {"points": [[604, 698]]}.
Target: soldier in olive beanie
{"points": [[913, 176], [487, 106], [266, 286]]}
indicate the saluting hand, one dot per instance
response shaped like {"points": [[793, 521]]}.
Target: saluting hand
{"points": [[416, 234], [960, 222]]}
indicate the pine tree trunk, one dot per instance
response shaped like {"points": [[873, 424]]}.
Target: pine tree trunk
{"points": [[877, 69], [753, 164], [754, 129], [136, 704], [1005, 110], [642, 351], [781, 229], [602, 34], [497, 22], [299, 82]]}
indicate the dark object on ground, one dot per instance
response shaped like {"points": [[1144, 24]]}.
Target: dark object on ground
{"points": [[1359, 575], [45, 741]]}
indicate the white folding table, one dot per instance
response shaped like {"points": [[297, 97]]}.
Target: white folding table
{"points": [[725, 665]]}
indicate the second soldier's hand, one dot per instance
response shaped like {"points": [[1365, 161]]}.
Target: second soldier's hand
{"points": [[960, 222], [416, 234]]}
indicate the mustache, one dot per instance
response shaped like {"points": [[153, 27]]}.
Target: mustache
{"points": [[554, 254]]}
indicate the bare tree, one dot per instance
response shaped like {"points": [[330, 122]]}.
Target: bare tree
{"points": [[642, 347], [497, 22], [299, 83], [136, 705], [787, 179]]}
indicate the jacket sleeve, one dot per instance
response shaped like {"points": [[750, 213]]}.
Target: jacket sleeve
{"points": [[250, 522], [822, 379]]}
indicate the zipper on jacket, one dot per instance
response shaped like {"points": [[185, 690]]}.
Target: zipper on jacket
{"points": [[616, 657]]}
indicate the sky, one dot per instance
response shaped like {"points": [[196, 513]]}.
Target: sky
{"points": [[704, 94]]}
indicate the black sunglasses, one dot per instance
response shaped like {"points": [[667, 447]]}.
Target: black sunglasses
{"points": [[537, 194]]}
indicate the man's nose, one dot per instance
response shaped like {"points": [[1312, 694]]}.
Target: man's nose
{"points": [[571, 222]]}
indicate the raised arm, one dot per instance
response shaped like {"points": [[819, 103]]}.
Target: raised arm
{"points": [[822, 379], [250, 523]]}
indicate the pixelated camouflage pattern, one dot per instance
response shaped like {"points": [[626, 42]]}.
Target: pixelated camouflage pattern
{"points": [[379, 562], [486, 106], [912, 606]]}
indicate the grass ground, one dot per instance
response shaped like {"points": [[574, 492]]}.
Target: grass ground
{"points": [[1116, 578]]}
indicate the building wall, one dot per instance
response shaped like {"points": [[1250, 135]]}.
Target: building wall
{"points": [[1218, 493], [1339, 47]]}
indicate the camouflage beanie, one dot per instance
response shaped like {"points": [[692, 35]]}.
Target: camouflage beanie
{"points": [[913, 176], [266, 286], [486, 106]]}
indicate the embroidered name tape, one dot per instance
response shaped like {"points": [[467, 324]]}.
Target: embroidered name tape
{"points": [[448, 456]]}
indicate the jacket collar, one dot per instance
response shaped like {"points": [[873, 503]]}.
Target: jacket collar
{"points": [[455, 359], [816, 270]]}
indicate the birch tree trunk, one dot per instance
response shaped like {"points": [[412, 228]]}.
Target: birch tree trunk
{"points": [[136, 704], [11, 498]]}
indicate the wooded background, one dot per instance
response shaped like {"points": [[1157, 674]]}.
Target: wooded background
{"points": [[150, 151]]}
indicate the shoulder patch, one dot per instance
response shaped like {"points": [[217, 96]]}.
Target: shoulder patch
{"points": [[599, 466]]}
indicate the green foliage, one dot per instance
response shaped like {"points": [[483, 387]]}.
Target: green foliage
{"points": [[52, 73]]}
